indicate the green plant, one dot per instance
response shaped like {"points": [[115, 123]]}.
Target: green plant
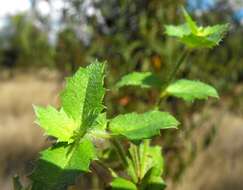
{"points": [[81, 122]]}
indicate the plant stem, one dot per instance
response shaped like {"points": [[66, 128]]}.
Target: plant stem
{"points": [[171, 77], [120, 151], [179, 62]]}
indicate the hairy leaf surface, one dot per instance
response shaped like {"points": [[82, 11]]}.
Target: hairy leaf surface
{"points": [[190, 90], [142, 126], [142, 79], [83, 95]]}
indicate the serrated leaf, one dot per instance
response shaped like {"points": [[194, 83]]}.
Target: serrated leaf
{"points": [[55, 123], [191, 90], [60, 165], [83, 95], [197, 37], [122, 184], [79, 115], [142, 79], [142, 126]]}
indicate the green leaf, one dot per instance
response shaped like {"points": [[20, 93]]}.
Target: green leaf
{"points": [[190, 90], [153, 164], [83, 95], [177, 31], [98, 129], [197, 37], [76, 125], [142, 79], [156, 183], [60, 165], [122, 184], [191, 23], [151, 159], [157, 160], [142, 126], [55, 123]]}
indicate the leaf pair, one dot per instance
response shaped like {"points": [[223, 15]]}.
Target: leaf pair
{"points": [[188, 90], [197, 37]]}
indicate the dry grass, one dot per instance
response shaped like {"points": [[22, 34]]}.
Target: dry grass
{"points": [[20, 141], [219, 166]]}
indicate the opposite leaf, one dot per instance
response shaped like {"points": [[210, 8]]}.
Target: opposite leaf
{"points": [[59, 166], [142, 126], [197, 37], [55, 123], [122, 184], [190, 90], [142, 79]]}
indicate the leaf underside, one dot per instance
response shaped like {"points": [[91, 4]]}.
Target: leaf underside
{"points": [[141, 79]]}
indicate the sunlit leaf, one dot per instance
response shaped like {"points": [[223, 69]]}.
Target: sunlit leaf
{"points": [[142, 126], [55, 123], [76, 125], [191, 90]]}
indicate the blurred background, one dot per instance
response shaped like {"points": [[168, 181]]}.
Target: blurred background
{"points": [[43, 41]]}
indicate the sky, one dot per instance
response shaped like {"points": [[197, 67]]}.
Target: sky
{"points": [[11, 7], [203, 5]]}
